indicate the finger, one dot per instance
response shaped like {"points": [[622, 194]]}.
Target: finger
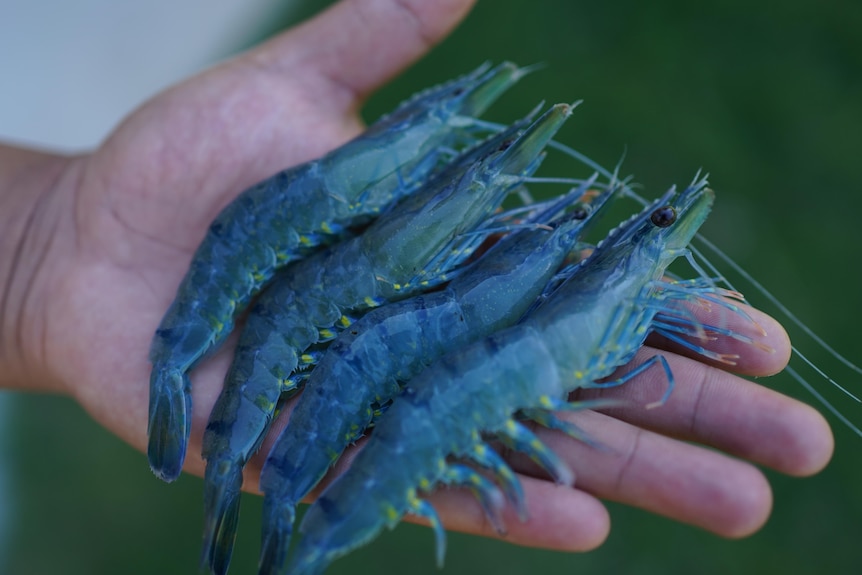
{"points": [[759, 347], [559, 517], [358, 45], [665, 476], [715, 408]]}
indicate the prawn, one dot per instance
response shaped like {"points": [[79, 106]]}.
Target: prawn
{"points": [[408, 250], [594, 321], [700, 256], [363, 367], [285, 217]]}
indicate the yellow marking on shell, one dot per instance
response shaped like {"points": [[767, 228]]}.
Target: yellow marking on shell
{"points": [[344, 321], [305, 240], [370, 302], [306, 358], [326, 228], [425, 484], [537, 445], [579, 375], [511, 426], [441, 465], [326, 333], [545, 401], [391, 513], [480, 450], [259, 277], [264, 404], [396, 286]]}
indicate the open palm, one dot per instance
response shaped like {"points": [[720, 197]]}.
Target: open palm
{"points": [[126, 219]]}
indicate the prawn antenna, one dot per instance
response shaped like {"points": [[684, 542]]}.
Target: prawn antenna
{"points": [[825, 402], [774, 300]]}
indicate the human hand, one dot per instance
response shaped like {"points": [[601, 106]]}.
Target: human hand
{"points": [[115, 234]]}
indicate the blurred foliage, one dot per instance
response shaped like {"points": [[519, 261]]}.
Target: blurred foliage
{"points": [[764, 95]]}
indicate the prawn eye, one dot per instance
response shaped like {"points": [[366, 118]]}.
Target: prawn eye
{"points": [[505, 145], [458, 91], [580, 214], [663, 217]]}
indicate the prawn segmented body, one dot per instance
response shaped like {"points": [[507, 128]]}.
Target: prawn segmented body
{"points": [[284, 218], [364, 367], [594, 321], [408, 249]]}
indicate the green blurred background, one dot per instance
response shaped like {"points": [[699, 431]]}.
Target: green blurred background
{"points": [[765, 96]]}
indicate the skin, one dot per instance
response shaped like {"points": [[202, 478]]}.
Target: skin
{"points": [[92, 248]]}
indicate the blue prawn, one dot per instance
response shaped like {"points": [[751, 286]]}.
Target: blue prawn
{"points": [[593, 322], [283, 218], [364, 367], [407, 250]]}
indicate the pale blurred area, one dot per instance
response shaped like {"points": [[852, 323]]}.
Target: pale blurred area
{"points": [[72, 70]]}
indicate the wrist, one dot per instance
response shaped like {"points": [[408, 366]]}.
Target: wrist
{"points": [[30, 213]]}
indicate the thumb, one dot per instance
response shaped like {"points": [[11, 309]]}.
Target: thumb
{"points": [[358, 45]]}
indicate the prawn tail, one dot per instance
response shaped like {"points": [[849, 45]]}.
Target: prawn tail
{"points": [[277, 528], [170, 421], [222, 485], [340, 521]]}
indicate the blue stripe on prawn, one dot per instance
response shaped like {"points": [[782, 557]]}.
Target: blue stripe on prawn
{"points": [[406, 251], [390, 345], [593, 322], [283, 218]]}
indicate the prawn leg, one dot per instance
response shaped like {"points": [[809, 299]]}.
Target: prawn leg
{"points": [[517, 437], [484, 455], [550, 421], [656, 359], [489, 495], [422, 508]]}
